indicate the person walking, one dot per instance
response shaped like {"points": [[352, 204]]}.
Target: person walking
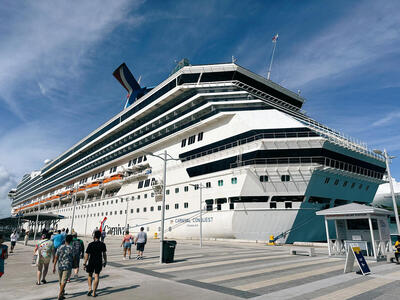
{"points": [[397, 249], [64, 257], [58, 240], [44, 250], [13, 238], [140, 241], [127, 244], [26, 237], [79, 249], [3, 255], [97, 257], [103, 235]]}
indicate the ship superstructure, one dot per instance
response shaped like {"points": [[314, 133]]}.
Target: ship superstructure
{"points": [[264, 166]]}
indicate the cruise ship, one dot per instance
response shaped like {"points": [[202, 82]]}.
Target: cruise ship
{"points": [[237, 141]]}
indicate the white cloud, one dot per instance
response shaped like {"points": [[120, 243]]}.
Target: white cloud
{"points": [[367, 33], [392, 116], [51, 44], [7, 182]]}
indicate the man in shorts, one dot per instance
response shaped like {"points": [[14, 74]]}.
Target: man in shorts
{"points": [[3, 254], [13, 238], [140, 241], [96, 254], [45, 250], [79, 250], [64, 257], [58, 239]]}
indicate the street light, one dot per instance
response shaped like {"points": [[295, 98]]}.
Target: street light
{"points": [[126, 213], [165, 159], [387, 159], [201, 212], [73, 211]]}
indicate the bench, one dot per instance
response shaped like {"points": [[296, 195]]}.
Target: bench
{"points": [[295, 250]]}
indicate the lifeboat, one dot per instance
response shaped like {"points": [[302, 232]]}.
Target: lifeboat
{"points": [[112, 182], [140, 174], [81, 191], [94, 188], [66, 195]]}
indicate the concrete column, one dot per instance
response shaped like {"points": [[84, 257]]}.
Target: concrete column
{"points": [[372, 237], [327, 236]]}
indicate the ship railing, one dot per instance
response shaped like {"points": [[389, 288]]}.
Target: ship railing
{"points": [[301, 116], [256, 137], [310, 161]]}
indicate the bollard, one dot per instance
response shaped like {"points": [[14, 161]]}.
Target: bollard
{"points": [[155, 235], [271, 241]]}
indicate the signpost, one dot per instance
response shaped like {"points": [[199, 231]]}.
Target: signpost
{"points": [[354, 253]]}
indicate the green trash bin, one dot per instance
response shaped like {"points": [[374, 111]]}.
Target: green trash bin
{"points": [[168, 251]]}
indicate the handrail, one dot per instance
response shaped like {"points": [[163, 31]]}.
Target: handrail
{"points": [[274, 135], [309, 161]]}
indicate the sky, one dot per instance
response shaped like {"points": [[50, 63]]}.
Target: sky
{"points": [[57, 59]]}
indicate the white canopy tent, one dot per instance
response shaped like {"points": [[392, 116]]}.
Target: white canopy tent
{"points": [[363, 225]]}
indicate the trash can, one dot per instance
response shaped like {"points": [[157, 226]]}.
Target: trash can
{"points": [[168, 251]]}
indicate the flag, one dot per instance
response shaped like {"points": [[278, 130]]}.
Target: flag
{"points": [[275, 38]]}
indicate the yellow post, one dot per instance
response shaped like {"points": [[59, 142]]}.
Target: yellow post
{"points": [[155, 235], [271, 241]]}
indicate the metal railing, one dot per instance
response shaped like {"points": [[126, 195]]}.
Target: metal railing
{"points": [[272, 135], [310, 161]]}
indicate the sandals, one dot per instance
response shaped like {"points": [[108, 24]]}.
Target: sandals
{"points": [[89, 293], [44, 281], [37, 283]]}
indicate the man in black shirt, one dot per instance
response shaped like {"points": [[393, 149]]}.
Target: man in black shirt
{"points": [[96, 254]]}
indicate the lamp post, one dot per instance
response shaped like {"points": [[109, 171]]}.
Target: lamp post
{"points": [[73, 211], [126, 214], [37, 220], [201, 212], [387, 159], [165, 159]]}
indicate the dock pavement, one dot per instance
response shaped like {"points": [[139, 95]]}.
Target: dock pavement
{"points": [[219, 270]]}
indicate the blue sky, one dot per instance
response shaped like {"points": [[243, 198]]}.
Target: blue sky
{"points": [[57, 57]]}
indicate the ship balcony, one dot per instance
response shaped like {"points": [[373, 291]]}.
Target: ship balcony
{"points": [[113, 182], [138, 175]]}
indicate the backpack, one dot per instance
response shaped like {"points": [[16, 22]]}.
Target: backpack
{"points": [[76, 247]]}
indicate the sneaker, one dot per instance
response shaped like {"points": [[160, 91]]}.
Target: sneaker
{"points": [[44, 281], [124, 258]]}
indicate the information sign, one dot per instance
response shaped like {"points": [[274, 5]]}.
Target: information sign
{"points": [[355, 254]]}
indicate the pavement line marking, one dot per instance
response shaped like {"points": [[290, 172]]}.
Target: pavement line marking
{"points": [[359, 288], [219, 263], [278, 280], [266, 270]]}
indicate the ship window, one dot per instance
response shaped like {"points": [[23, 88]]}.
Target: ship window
{"points": [[176, 190], [353, 185], [110, 213], [102, 173], [176, 205], [336, 182], [367, 188], [288, 204], [122, 199], [152, 208], [320, 200], [139, 160], [116, 201], [134, 161], [196, 186], [144, 209], [167, 207], [138, 197], [209, 204], [220, 182], [111, 202], [285, 178], [137, 210], [152, 195], [186, 188], [234, 180], [115, 169], [147, 183], [106, 213], [126, 211], [159, 207], [133, 198], [145, 196], [131, 210], [144, 158], [339, 202], [120, 212], [167, 192], [191, 139], [272, 205], [185, 205], [129, 164], [345, 183], [360, 186], [263, 178], [116, 212], [140, 184], [231, 206], [327, 180], [183, 143], [218, 206], [208, 184], [298, 198], [200, 137]]}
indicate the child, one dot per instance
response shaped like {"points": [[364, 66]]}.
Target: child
{"points": [[3, 255]]}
